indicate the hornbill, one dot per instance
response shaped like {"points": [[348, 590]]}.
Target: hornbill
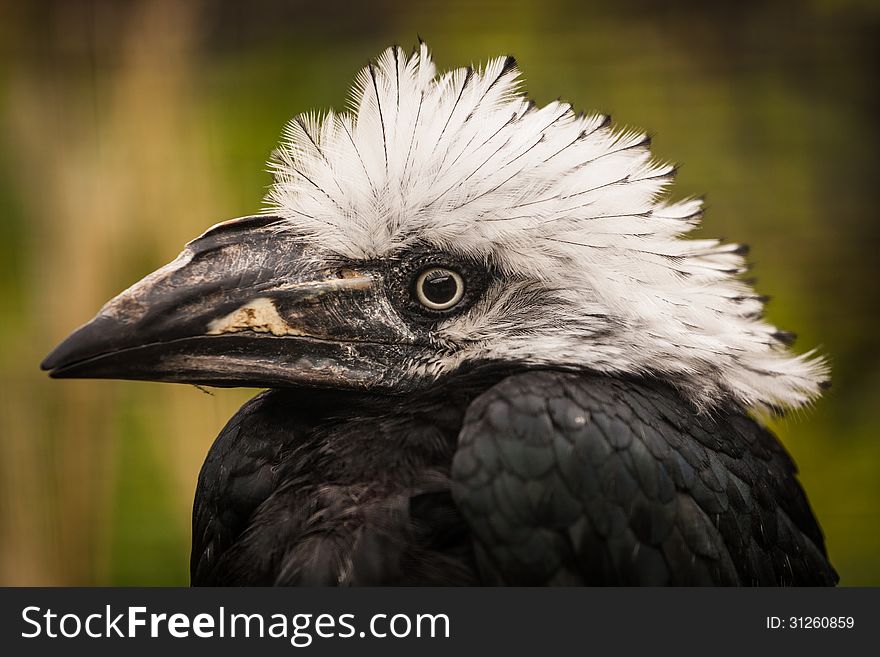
{"points": [[492, 358]]}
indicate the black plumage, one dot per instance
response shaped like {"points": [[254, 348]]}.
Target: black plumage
{"points": [[538, 478]]}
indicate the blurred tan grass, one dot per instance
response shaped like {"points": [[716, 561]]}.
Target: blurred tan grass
{"points": [[98, 178]]}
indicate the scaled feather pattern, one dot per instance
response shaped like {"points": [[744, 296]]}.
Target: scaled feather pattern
{"points": [[593, 270]]}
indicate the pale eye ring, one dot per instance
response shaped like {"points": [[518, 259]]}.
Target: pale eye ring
{"points": [[439, 288]]}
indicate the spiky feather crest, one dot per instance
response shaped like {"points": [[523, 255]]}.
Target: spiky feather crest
{"points": [[572, 213]]}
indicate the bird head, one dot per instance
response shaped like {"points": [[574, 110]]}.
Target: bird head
{"points": [[443, 223]]}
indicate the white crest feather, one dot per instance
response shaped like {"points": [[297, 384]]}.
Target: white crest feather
{"points": [[570, 210]]}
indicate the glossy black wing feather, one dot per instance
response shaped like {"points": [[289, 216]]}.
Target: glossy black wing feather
{"points": [[572, 479]]}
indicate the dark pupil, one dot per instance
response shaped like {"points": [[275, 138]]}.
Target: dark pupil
{"points": [[439, 288]]}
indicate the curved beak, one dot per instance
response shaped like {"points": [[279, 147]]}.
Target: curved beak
{"points": [[246, 304]]}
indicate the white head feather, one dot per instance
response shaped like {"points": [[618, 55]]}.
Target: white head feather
{"points": [[569, 210]]}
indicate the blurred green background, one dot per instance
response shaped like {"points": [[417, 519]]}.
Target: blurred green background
{"points": [[127, 128]]}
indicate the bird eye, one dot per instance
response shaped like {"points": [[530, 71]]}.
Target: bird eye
{"points": [[438, 288]]}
